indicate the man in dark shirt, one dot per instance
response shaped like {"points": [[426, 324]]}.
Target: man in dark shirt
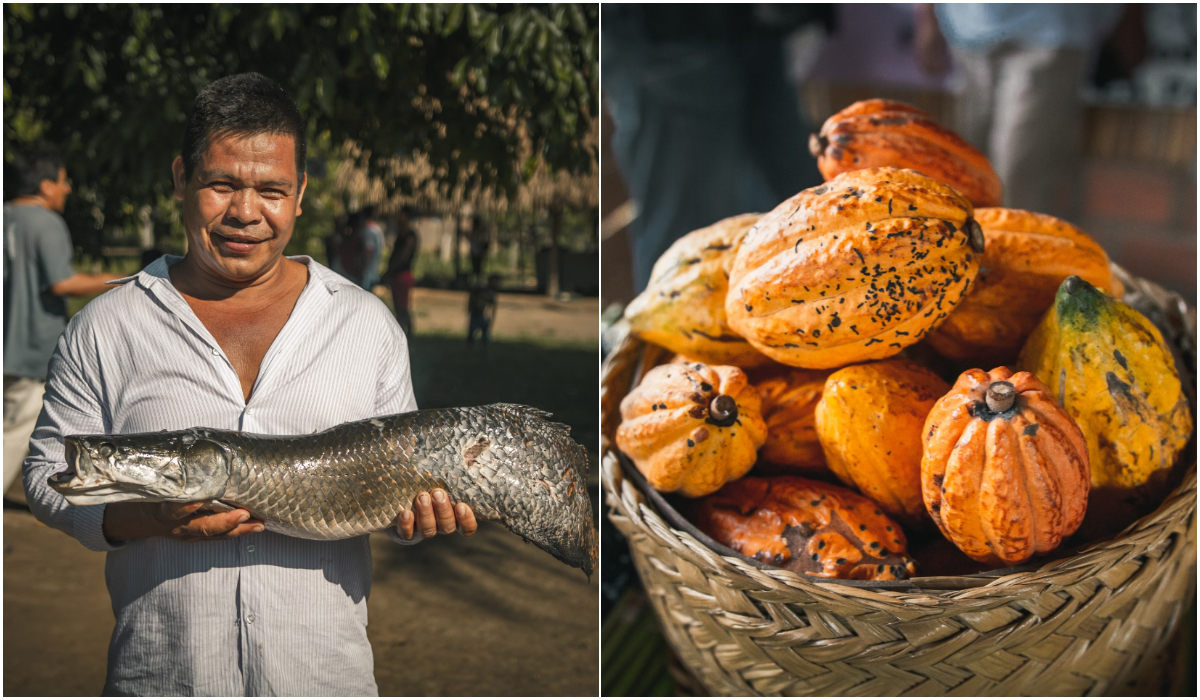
{"points": [[399, 270], [37, 275]]}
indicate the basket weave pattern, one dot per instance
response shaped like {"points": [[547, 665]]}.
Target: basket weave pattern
{"points": [[1089, 624]]}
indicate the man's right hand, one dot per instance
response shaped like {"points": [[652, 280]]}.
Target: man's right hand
{"points": [[177, 521]]}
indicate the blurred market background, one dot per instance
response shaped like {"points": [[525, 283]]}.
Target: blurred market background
{"points": [[711, 72], [480, 121]]}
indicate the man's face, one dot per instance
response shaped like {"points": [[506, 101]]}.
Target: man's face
{"points": [[240, 204], [55, 193]]}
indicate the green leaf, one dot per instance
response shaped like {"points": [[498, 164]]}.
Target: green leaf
{"points": [[380, 63], [460, 71], [453, 19]]}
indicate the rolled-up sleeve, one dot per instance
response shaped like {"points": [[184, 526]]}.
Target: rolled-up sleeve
{"points": [[70, 407]]}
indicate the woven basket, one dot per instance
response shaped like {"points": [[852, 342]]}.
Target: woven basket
{"points": [[1099, 621]]}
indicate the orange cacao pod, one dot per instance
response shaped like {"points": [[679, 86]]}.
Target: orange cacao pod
{"points": [[1005, 473], [876, 133]]}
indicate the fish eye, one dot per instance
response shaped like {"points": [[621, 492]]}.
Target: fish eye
{"points": [[106, 449]]}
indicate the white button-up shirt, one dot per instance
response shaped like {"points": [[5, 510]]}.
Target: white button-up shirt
{"points": [[263, 614]]}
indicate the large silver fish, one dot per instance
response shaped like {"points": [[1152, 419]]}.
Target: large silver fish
{"points": [[506, 461]]}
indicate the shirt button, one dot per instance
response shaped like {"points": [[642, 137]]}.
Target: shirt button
{"points": [[249, 548], [250, 618], [216, 351]]}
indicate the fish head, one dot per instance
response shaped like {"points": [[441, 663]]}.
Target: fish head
{"points": [[181, 466]]}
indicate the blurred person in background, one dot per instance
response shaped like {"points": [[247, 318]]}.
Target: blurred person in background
{"points": [[480, 238], [707, 123], [362, 250], [481, 308], [399, 270], [1022, 67], [334, 242], [37, 276]]}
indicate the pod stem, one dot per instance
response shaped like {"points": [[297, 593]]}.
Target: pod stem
{"points": [[975, 235], [723, 410], [1000, 396], [817, 144]]}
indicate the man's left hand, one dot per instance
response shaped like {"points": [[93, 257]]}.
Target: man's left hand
{"points": [[432, 514]]}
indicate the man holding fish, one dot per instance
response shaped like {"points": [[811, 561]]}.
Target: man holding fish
{"points": [[233, 336]]}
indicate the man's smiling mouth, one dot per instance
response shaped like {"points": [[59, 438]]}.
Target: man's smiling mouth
{"points": [[238, 244]]}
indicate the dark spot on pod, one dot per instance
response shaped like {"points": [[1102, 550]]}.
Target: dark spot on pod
{"points": [[862, 527], [1121, 360], [779, 558], [874, 544], [841, 560], [821, 190], [705, 386], [881, 567], [889, 528], [1116, 386], [821, 544], [883, 552], [816, 503], [690, 443], [1073, 284], [749, 308], [815, 557], [1031, 429]]}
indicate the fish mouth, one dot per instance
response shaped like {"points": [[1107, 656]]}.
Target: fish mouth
{"points": [[82, 483]]}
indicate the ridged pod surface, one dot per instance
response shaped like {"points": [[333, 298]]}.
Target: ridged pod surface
{"points": [[683, 306], [1005, 470], [690, 428], [809, 527], [878, 133], [1027, 256], [853, 270], [789, 403], [870, 421], [1115, 376]]}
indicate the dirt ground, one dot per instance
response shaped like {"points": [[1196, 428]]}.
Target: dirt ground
{"points": [[517, 315], [488, 615]]}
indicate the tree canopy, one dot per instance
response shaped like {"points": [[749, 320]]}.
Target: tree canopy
{"points": [[465, 86]]}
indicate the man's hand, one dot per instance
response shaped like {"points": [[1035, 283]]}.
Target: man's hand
{"points": [[177, 521], [433, 514]]}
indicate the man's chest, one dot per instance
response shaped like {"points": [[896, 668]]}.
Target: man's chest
{"points": [[307, 377], [245, 338]]}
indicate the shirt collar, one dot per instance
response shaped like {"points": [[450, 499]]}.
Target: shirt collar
{"points": [[156, 273]]}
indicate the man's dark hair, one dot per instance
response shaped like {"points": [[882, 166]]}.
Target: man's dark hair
{"points": [[30, 167], [244, 104]]}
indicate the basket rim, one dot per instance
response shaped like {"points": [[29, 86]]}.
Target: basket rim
{"points": [[618, 470]]}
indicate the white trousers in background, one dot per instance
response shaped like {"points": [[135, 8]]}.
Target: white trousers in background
{"points": [[1021, 106], [22, 404]]}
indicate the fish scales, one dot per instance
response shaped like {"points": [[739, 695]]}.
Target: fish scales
{"points": [[506, 461]]}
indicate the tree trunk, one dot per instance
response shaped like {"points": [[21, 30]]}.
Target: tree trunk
{"points": [[552, 284], [521, 248], [457, 244]]}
